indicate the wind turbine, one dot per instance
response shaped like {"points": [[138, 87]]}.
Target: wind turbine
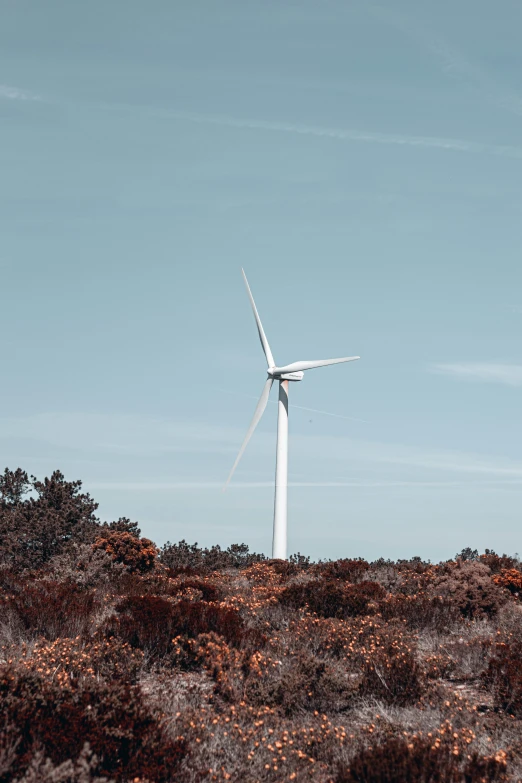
{"points": [[285, 374]]}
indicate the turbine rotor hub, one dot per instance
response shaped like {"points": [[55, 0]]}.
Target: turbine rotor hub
{"points": [[280, 375]]}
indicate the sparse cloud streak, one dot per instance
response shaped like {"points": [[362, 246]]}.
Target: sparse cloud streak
{"points": [[350, 135], [16, 94], [506, 374], [175, 486], [299, 407], [453, 62]]}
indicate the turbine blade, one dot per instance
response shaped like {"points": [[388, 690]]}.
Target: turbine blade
{"points": [[260, 409], [262, 336], [299, 366]]}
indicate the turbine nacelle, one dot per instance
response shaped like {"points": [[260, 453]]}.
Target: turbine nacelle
{"points": [[279, 374]]}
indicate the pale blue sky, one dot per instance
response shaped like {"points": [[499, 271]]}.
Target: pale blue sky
{"points": [[363, 163]]}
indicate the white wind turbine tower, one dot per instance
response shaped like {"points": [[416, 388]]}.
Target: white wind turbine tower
{"points": [[290, 372]]}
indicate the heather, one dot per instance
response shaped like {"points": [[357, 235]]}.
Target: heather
{"points": [[124, 661]]}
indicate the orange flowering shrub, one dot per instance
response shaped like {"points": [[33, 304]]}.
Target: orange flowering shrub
{"points": [[70, 660], [511, 579], [137, 554], [296, 683], [497, 563], [392, 674]]}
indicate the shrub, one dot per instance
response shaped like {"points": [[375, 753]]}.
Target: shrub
{"points": [[467, 554], [496, 563], [459, 659], [420, 760], [189, 558], [50, 609], [86, 567], [35, 529], [415, 565], [469, 586], [122, 525], [209, 592], [138, 555], [226, 665], [112, 718], [299, 683], [181, 557], [283, 568], [422, 611], [504, 677], [81, 770], [75, 660], [192, 619], [332, 598], [150, 623], [391, 674], [349, 570], [510, 579], [144, 622], [294, 684], [301, 561]]}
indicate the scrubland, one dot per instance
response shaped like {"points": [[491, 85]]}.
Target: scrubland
{"points": [[120, 661]]}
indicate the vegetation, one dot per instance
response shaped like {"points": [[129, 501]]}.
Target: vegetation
{"points": [[120, 661]]}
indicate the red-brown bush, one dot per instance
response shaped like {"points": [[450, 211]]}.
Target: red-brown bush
{"points": [[184, 558], [150, 623], [420, 760], [392, 674], [469, 586], [332, 598], [209, 592], [137, 554], [346, 569], [504, 678], [300, 683], [50, 609], [421, 611], [127, 739]]}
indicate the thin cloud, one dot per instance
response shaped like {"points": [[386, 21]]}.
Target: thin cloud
{"points": [[506, 374], [16, 94], [453, 61], [369, 137], [299, 407], [81, 436], [328, 413], [156, 486]]}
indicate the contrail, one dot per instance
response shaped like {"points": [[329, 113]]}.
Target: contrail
{"points": [[427, 142], [301, 407]]}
